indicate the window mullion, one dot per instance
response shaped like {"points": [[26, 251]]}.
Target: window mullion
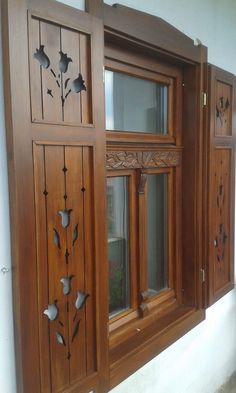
{"points": [[142, 227]]}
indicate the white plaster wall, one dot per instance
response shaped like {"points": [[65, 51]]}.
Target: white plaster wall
{"points": [[205, 357], [7, 366]]}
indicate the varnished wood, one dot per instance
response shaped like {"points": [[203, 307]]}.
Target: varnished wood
{"points": [[155, 31], [94, 7], [41, 138], [185, 258], [39, 372], [143, 159], [221, 175]]}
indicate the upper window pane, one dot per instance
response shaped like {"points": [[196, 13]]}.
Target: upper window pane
{"points": [[134, 104]]}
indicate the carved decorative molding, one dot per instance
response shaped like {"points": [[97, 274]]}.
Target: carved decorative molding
{"points": [[142, 159]]}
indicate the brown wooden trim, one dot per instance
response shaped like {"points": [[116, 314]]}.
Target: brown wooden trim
{"points": [[142, 159], [94, 7], [155, 31], [140, 138], [136, 58]]}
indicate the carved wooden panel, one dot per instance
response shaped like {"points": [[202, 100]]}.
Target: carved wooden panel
{"points": [[220, 253], [60, 79], [220, 179], [223, 109], [66, 302], [142, 159]]}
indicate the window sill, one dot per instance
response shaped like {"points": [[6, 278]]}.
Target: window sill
{"points": [[131, 351]]}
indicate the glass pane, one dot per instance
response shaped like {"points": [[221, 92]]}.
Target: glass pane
{"points": [[118, 247], [135, 104], [157, 232]]}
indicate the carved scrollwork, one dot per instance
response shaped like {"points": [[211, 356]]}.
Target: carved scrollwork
{"points": [[142, 159]]}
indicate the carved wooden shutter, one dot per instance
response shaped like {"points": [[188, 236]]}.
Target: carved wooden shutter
{"points": [[55, 126], [221, 183]]}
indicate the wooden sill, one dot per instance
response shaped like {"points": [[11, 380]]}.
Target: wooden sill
{"points": [[136, 349]]}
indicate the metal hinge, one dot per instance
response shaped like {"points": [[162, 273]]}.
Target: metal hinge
{"points": [[203, 275], [204, 99]]}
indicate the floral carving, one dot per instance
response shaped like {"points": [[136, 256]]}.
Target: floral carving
{"points": [[220, 195], [65, 87], [222, 106], [64, 62], [142, 159], [42, 58]]}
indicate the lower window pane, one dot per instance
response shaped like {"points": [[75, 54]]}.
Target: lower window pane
{"points": [[157, 232], [118, 247]]}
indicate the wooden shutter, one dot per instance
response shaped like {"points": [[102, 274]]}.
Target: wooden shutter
{"points": [[221, 170], [53, 63]]}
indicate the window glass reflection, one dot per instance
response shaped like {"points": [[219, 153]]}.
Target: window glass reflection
{"points": [[157, 232], [118, 244], [135, 104]]}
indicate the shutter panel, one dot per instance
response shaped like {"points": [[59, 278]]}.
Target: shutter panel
{"points": [[221, 169], [54, 92]]}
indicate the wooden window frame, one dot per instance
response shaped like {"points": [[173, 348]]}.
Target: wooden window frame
{"points": [[128, 49], [141, 303], [170, 294], [130, 314], [148, 75], [135, 64]]}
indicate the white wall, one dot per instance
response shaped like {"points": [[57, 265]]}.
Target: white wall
{"points": [[7, 367], [205, 357]]}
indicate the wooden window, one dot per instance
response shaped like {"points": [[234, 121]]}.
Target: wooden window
{"points": [[145, 149], [140, 100], [151, 199], [135, 104]]}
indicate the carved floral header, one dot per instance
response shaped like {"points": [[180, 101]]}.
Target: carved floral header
{"points": [[142, 159]]}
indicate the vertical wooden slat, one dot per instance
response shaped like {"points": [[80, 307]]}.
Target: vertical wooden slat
{"points": [[177, 201], [35, 71], [142, 202], [94, 7], [52, 106], [70, 46], [42, 266], [171, 223], [74, 192], [85, 67], [133, 240], [90, 263], [55, 185]]}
